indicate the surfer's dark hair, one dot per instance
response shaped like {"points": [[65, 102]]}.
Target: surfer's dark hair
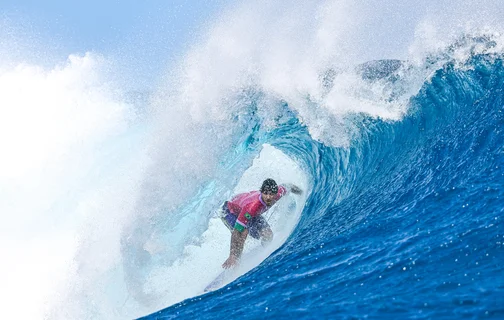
{"points": [[269, 185]]}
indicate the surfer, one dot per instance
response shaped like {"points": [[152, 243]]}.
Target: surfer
{"points": [[242, 215]]}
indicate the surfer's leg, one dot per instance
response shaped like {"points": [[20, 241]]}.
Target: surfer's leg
{"points": [[266, 236]]}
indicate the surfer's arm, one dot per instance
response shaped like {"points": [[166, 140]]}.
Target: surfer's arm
{"points": [[293, 188], [236, 248], [237, 242]]}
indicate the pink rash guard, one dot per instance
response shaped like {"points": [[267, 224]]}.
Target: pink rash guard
{"points": [[250, 205]]}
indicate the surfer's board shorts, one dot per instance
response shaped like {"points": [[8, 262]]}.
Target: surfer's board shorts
{"points": [[254, 225]]}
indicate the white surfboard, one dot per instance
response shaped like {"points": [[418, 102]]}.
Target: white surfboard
{"points": [[219, 281], [248, 261]]}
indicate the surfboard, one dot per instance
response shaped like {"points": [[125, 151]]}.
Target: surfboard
{"points": [[220, 280], [228, 275]]}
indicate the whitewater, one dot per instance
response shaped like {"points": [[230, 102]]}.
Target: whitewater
{"points": [[390, 117]]}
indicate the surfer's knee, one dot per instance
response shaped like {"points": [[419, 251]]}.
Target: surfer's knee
{"points": [[267, 236]]}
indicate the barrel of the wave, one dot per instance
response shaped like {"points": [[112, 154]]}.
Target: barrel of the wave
{"points": [[244, 215]]}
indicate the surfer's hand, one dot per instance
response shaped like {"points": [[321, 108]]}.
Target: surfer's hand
{"points": [[230, 262], [294, 189]]}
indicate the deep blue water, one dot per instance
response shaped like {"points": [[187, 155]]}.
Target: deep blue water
{"points": [[405, 223]]}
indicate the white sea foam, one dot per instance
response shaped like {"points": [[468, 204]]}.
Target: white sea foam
{"points": [[53, 124]]}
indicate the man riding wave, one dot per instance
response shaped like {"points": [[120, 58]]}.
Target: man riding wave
{"points": [[242, 215]]}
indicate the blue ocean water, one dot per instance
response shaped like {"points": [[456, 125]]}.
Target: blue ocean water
{"points": [[405, 222]]}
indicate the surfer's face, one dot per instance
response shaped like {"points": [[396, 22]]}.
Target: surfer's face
{"points": [[268, 198]]}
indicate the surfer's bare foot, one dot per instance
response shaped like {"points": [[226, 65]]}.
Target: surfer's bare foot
{"points": [[230, 262]]}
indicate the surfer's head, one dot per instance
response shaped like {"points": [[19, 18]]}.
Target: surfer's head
{"points": [[269, 190]]}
